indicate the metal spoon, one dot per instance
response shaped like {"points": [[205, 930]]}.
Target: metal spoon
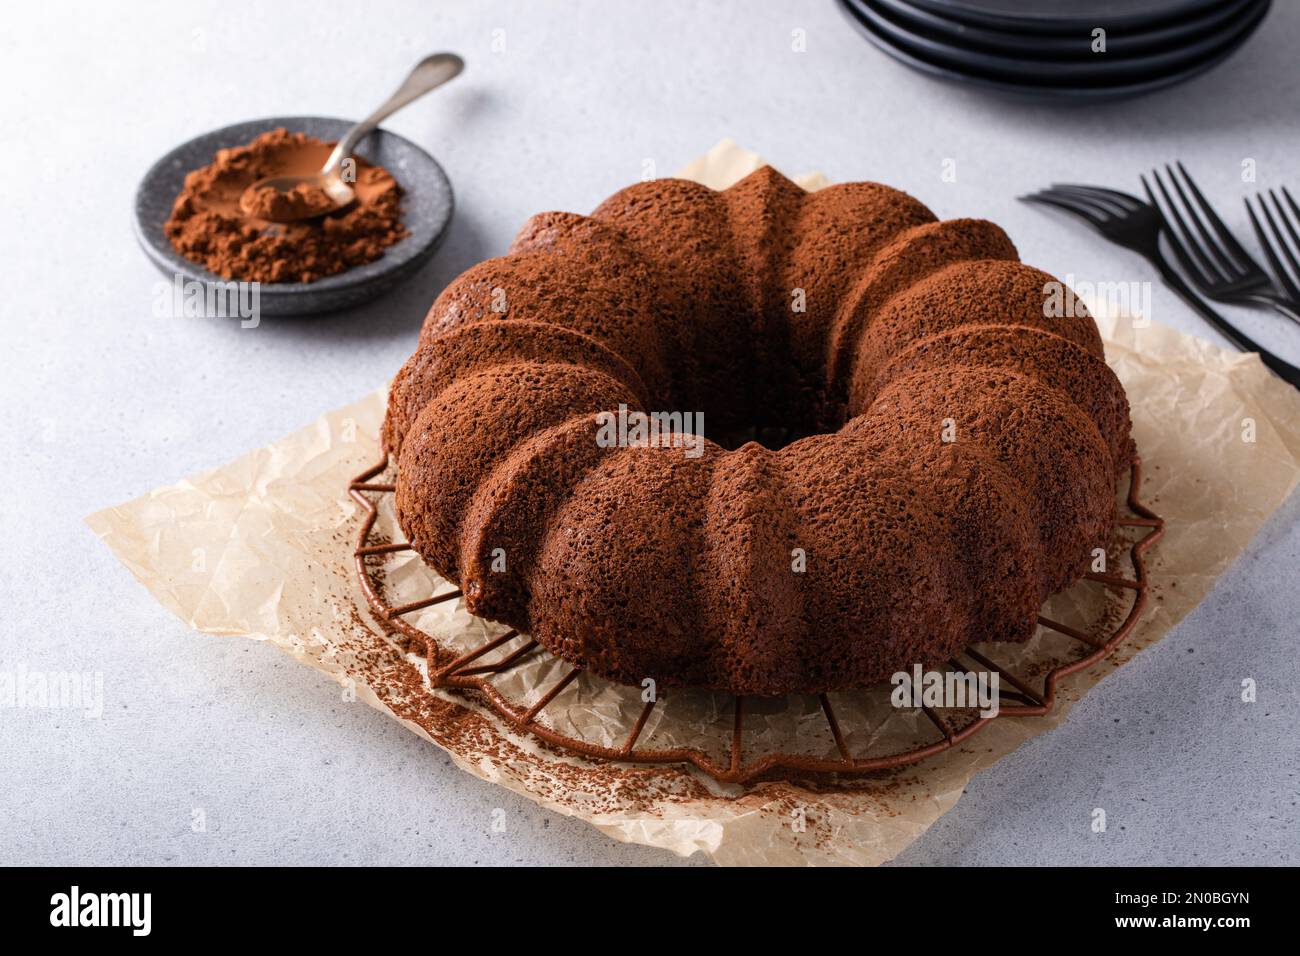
{"points": [[429, 74]]}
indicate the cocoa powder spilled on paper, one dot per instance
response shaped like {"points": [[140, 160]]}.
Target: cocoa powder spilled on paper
{"points": [[208, 227], [382, 659]]}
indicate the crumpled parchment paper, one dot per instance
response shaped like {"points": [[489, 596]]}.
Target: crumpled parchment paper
{"points": [[262, 548]]}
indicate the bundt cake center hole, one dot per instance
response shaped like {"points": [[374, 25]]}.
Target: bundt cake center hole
{"points": [[782, 414]]}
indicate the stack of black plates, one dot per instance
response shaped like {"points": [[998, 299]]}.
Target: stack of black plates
{"points": [[1059, 49]]}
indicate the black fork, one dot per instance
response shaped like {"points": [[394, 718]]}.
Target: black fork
{"points": [[1275, 245], [1207, 250], [1133, 224]]}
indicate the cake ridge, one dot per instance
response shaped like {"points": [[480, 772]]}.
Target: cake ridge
{"points": [[761, 210], [1099, 395], [946, 299], [748, 549], [483, 345], [444, 457], [880, 513], [497, 553], [1064, 461], [838, 228], [688, 245], [914, 255], [643, 591], [563, 238]]}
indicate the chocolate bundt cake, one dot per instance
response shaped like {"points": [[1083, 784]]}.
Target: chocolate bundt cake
{"points": [[948, 457]]}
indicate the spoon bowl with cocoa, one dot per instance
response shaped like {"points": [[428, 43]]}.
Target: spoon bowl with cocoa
{"points": [[292, 198]]}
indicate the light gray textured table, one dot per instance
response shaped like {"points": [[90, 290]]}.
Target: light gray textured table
{"points": [[103, 402]]}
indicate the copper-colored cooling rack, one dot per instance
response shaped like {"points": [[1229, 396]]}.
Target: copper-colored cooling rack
{"points": [[454, 669]]}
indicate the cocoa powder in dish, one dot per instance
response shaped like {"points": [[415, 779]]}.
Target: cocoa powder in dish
{"points": [[208, 227], [301, 202]]}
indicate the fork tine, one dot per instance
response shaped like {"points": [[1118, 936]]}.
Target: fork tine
{"points": [[1279, 270], [1069, 204], [1286, 220], [1279, 273], [1175, 241], [1101, 201], [1209, 272], [1225, 235], [1291, 202], [1281, 249], [1124, 199], [1097, 204], [1226, 266]]}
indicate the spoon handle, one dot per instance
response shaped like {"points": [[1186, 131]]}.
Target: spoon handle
{"points": [[429, 74]]}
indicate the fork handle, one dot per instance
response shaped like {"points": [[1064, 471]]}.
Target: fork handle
{"points": [[1281, 368]]}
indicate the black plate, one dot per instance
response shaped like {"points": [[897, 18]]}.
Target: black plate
{"points": [[1120, 41], [427, 205], [1064, 16], [1108, 67], [1089, 93]]}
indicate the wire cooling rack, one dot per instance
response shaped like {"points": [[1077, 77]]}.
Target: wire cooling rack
{"points": [[472, 672]]}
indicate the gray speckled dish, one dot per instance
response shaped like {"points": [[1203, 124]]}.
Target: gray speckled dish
{"points": [[428, 205]]}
